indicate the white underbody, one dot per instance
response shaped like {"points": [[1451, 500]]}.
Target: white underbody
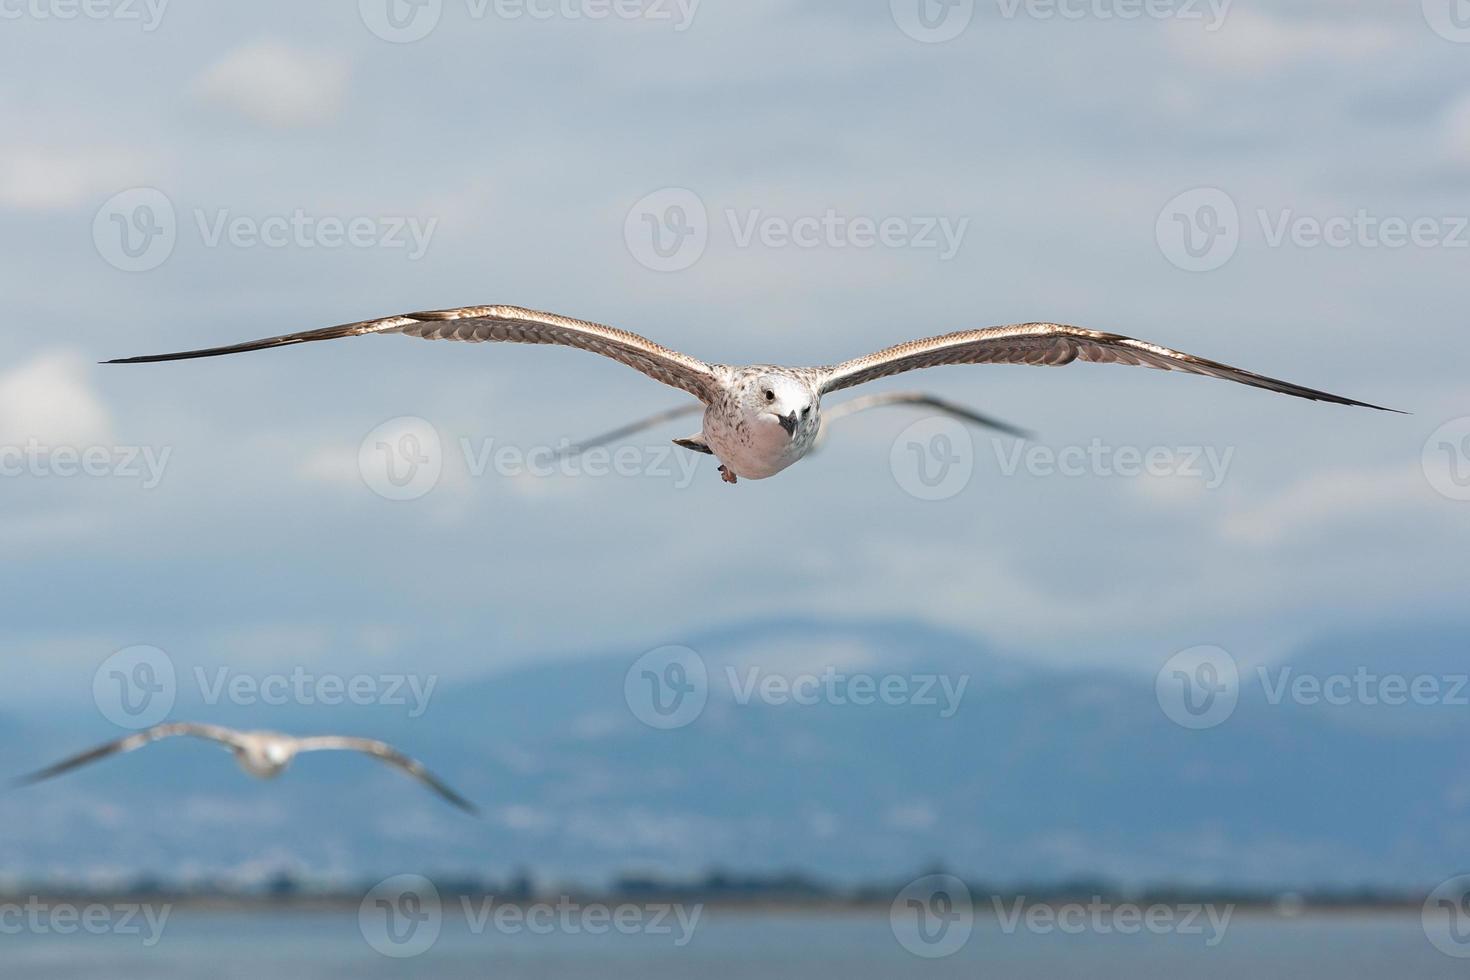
{"points": [[759, 450]]}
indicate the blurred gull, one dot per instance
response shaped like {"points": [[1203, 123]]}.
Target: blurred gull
{"points": [[262, 754]]}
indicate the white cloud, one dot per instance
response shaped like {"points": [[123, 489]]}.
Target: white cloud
{"points": [[1456, 130], [1252, 43], [276, 84], [1328, 499], [49, 400], [35, 178]]}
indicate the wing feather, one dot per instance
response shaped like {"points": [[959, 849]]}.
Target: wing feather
{"points": [[1051, 344], [505, 324]]}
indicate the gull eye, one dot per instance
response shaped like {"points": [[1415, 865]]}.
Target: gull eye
{"points": [[770, 395], [806, 411]]}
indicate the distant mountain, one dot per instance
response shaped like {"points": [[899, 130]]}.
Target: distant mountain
{"points": [[1037, 774]]}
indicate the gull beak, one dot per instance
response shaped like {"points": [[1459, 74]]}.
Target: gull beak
{"points": [[788, 422]]}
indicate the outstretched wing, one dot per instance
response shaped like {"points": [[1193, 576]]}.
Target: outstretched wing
{"points": [[1049, 344], [390, 755], [127, 744], [508, 324]]}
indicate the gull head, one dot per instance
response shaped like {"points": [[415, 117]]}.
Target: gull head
{"points": [[265, 754], [780, 408]]}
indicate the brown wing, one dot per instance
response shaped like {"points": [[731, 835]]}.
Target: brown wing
{"points": [[507, 324], [1050, 344], [127, 744], [390, 755]]}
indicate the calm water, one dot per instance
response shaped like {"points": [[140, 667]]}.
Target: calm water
{"points": [[726, 946]]}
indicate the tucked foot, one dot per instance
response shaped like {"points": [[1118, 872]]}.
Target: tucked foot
{"points": [[728, 475]]}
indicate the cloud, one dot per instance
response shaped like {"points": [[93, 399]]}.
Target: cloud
{"points": [[1253, 44], [35, 178], [1456, 130], [49, 400], [276, 84], [1327, 500]]}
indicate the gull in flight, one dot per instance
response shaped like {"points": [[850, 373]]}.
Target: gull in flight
{"points": [[262, 754], [760, 419], [850, 407]]}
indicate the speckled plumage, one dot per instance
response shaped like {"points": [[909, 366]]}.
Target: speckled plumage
{"points": [[755, 436]]}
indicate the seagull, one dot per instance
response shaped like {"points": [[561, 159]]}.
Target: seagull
{"points": [[850, 407], [264, 755], [759, 419]]}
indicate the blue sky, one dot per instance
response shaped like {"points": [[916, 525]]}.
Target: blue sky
{"points": [[524, 149]]}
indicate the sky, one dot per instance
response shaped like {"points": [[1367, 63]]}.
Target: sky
{"points": [[1279, 185]]}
